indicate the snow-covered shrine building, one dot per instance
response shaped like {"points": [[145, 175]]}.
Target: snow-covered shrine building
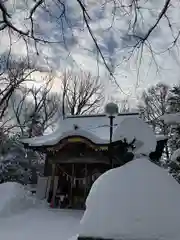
{"points": [[77, 152]]}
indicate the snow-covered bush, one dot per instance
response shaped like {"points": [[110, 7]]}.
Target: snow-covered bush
{"points": [[16, 164], [11, 171]]}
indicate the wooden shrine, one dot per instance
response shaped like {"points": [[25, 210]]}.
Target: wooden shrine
{"points": [[74, 161]]}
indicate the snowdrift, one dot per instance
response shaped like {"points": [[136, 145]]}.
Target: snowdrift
{"points": [[14, 198], [136, 201]]}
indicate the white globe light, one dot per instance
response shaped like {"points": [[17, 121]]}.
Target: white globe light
{"points": [[111, 109]]}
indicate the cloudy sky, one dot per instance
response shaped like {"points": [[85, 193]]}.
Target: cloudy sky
{"points": [[113, 27]]}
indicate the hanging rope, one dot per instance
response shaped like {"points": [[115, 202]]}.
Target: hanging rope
{"points": [[69, 176]]}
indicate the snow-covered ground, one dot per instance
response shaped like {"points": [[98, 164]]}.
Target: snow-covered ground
{"points": [[24, 217], [14, 199], [39, 224]]}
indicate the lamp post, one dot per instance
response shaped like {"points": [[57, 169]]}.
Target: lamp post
{"points": [[111, 110]]}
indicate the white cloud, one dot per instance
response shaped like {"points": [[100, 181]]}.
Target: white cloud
{"points": [[114, 43]]}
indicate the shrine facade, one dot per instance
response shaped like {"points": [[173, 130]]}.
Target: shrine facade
{"points": [[77, 153]]}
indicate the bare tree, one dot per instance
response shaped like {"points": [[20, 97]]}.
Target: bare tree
{"points": [[154, 104], [36, 109], [13, 76], [82, 93]]}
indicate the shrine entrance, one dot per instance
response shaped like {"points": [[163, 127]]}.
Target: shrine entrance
{"points": [[74, 183], [76, 165]]}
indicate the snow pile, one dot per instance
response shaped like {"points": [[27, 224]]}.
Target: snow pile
{"points": [[136, 201], [175, 155], [14, 198], [173, 118], [161, 137], [135, 128]]}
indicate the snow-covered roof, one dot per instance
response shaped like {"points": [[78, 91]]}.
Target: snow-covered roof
{"points": [[96, 128], [173, 118], [143, 205], [93, 127]]}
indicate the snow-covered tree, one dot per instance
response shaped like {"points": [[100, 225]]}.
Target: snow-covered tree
{"points": [[174, 103], [155, 103], [15, 164]]}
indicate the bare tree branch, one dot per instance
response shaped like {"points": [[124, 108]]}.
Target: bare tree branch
{"points": [[34, 8], [130, 12], [86, 17], [162, 13], [6, 21]]}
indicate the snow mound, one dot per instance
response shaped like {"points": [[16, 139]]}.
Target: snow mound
{"points": [[172, 118], [136, 201], [175, 155], [14, 198], [131, 128]]}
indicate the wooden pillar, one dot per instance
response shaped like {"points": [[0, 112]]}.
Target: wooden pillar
{"points": [[85, 176], [46, 166], [72, 182], [52, 183]]}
